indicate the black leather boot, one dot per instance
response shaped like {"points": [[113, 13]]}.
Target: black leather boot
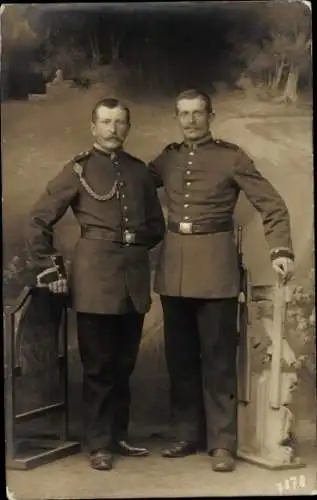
{"points": [[101, 460], [180, 449], [128, 450], [223, 460]]}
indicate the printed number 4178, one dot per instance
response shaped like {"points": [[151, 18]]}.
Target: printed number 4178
{"points": [[293, 483]]}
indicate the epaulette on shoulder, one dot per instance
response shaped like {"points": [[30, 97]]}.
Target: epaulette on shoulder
{"points": [[226, 144], [174, 146], [82, 156]]}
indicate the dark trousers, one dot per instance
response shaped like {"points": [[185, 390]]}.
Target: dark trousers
{"points": [[108, 347], [201, 345]]}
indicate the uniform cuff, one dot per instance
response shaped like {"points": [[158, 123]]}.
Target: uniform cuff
{"points": [[53, 273], [281, 252]]}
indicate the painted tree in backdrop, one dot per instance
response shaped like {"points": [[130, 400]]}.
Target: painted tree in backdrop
{"points": [[283, 53], [21, 34], [291, 46], [17, 28]]}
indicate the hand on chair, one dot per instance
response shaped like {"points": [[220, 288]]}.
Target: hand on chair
{"points": [[284, 266], [54, 278], [59, 287]]}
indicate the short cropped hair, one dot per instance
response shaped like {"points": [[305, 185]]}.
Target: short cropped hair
{"points": [[193, 94], [111, 103]]}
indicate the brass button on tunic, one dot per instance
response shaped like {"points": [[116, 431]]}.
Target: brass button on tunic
{"points": [[206, 265], [106, 277]]}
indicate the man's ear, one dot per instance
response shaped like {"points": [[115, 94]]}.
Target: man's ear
{"points": [[212, 116], [93, 128]]}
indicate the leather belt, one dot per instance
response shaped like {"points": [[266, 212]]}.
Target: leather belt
{"points": [[125, 237], [204, 228]]}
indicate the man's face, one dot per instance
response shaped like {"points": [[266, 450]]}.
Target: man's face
{"points": [[193, 118], [110, 128]]}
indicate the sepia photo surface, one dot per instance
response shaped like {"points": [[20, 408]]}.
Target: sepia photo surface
{"points": [[249, 65]]}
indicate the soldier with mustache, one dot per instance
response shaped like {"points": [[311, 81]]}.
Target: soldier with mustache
{"points": [[198, 278], [115, 203]]}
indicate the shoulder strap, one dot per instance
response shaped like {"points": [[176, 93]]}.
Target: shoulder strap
{"points": [[78, 169], [226, 144], [174, 146], [82, 156]]}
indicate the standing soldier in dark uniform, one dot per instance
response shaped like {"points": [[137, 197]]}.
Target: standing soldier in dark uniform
{"points": [[198, 274], [115, 202]]}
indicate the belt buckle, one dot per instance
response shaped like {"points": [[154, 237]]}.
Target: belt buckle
{"points": [[186, 227], [128, 237]]}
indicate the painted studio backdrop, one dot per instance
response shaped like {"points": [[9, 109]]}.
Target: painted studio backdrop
{"points": [[254, 59]]}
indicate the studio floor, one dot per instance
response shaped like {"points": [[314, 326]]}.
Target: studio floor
{"points": [[154, 476]]}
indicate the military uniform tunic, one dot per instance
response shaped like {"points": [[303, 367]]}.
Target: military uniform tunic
{"points": [[107, 275], [198, 263], [202, 184]]}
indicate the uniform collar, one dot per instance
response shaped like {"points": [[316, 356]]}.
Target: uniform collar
{"points": [[205, 140], [108, 154]]}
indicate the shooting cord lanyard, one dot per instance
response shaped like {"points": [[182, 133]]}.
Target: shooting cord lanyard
{"points": [[78, 169]]}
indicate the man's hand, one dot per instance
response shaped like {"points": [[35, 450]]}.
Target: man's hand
{"points": [[284, 267], [54, 278], [59, 287]]}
